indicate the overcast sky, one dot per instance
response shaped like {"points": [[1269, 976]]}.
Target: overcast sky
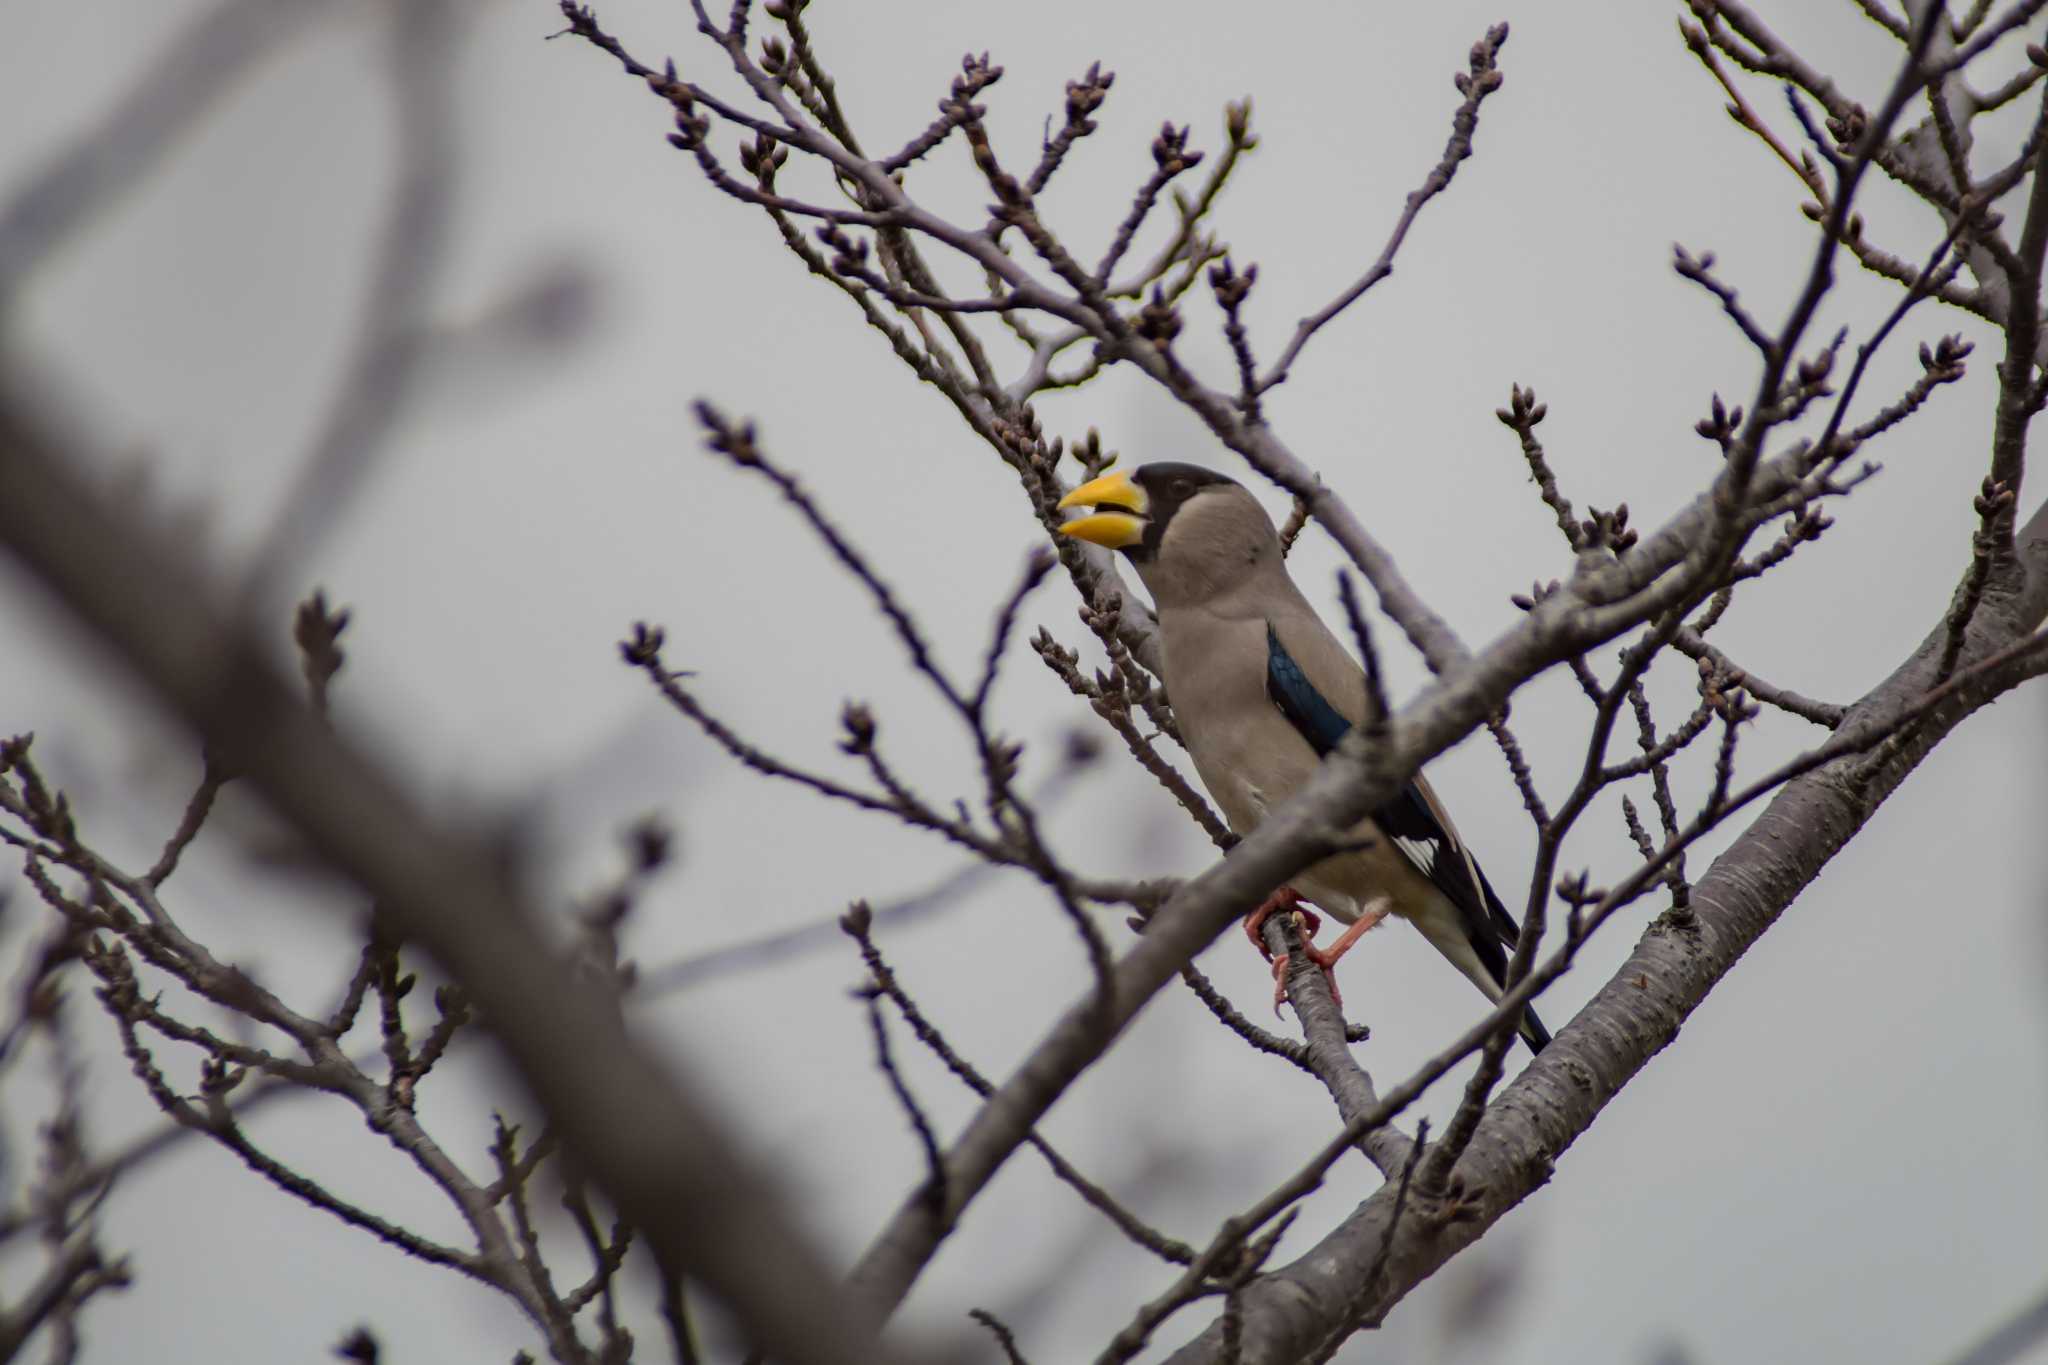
{"points": [[1841, 1157]]}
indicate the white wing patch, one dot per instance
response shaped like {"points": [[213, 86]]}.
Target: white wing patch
{"points": [[1421, 852]]}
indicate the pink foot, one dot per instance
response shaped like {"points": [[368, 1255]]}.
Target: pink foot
{"points": [[1325, 958], [1286, 898]]}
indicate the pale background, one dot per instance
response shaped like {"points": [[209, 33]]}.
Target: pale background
{"points": [[1841, 1159]]}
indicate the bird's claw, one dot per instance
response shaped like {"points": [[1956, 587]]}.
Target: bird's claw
{"points": [[1326, 961], [1286, 898], [1325, 958]]}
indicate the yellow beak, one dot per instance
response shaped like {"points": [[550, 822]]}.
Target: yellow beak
{"points": [[1119, 518]]}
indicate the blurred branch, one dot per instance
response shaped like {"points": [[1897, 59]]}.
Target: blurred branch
{"points": [[2011, 1339], [949, 892], [666, 1161], [391, 336], [74, 1275], [61, 1201], [1623, 580], [201, 66]]}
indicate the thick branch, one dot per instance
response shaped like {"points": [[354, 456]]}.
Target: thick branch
{"points": [[1636, 1013], [666, 1162]]}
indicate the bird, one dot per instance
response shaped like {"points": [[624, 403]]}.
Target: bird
{"points": [[1262, 691]]}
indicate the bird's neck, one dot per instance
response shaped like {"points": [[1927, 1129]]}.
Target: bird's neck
{"points": [[1233, 585]]}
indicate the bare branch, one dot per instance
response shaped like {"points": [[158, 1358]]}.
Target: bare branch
{"points": [[1171, 158], [927, 1139], [1482, 79], [858, 924], [1566, 1087], [1084, 97], [2012, 1338], [1328, 1053], [391, 338], [1005, 1338], [201, 65], [680, 1178], [211, 780], [1992, 503]]}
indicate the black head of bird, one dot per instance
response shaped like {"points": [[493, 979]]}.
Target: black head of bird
{"points": [[1190, 533]]}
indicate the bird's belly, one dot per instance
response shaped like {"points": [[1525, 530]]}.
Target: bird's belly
{"points": [[1349, 883], [1345, 885], [1251, 760]]}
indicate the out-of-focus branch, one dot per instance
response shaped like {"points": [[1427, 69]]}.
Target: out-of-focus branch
{"points": [[1622, 580], [666, 1161], [62, 1199], [391, 337], [75, 1273], [2012, 1339], [201, 65]]}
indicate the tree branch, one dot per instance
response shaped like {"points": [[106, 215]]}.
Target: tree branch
{"points": [[667, 1163]]}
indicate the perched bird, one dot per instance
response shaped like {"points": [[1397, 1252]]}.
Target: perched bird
{"points": [[1263, 691]]}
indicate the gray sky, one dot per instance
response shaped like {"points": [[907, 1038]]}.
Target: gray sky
{"points": [[1839, 1159]]}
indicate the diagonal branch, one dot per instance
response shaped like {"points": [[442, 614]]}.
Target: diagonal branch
{"points": [[1641, 1007], [667, 1162]]}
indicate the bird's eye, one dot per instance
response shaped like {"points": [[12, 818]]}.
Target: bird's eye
{"points": [[1183, 487]]}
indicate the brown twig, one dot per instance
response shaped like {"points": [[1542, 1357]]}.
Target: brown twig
{"points": [[927, 1138], [1482, 79], [858, 923]]}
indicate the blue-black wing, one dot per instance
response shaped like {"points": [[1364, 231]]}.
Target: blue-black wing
{"points": [[1407, 820], [1305, 708]]}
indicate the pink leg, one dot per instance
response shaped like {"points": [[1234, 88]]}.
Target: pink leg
{"points": [[1326, 958], [1286, 898]]}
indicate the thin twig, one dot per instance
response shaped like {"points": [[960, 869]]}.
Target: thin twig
{"points": [[1483, 79], [858, 924], [927, 1137]]}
